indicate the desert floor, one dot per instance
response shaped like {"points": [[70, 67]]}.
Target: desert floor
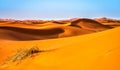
{"points": [[75, 44]]}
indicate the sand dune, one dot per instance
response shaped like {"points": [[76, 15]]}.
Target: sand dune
{"points": [[28, 34], [16, 33], [108, 22], [81, 44], [89, 24], [97, 51], [21, 30]]}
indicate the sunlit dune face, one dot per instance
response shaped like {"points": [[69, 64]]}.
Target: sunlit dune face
{"points": [[75, 44]]}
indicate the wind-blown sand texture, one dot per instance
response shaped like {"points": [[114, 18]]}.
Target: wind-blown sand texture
{"points": [[75, 44]]}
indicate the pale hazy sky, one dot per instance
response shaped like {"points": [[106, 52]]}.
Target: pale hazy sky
{"points": [[58, 9]]}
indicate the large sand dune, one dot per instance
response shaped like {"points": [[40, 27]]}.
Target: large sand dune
{"points": [[82, 44]]}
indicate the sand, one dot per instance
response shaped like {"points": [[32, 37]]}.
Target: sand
{"points": [[82, 44]]}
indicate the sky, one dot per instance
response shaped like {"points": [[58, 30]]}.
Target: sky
{"points": [[59, 9]]}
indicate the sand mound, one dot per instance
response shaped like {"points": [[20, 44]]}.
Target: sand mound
{"points": [[16, 33], [108, 21], [74, 31], [89, 24]]}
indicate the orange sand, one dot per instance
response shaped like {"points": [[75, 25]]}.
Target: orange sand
{"points": [[94, 51]]}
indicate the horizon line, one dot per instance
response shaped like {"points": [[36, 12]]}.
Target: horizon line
{"points": [[56, 18]]}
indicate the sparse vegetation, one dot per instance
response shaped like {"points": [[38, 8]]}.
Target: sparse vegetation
{"points": [[22, 54]]}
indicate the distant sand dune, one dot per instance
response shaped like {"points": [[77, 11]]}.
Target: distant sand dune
{"points": [[28, 30], [89, 24]]}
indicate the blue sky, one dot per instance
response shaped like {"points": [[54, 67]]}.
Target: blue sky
{"points": [[59, 9]]}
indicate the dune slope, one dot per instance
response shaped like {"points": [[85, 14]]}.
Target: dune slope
{"points": [[96, 51]]}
